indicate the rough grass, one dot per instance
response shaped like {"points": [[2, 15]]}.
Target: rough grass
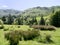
{"points": [[55, 36]]}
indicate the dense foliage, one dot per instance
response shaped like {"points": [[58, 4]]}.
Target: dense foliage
{"points": [[55, 19], [42, 21], [15, 36]]}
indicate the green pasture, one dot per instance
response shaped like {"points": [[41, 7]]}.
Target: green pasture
{"points": [[55, 35]]}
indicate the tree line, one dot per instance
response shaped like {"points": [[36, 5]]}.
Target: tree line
{"points": [[31, 20], [21, 20]]}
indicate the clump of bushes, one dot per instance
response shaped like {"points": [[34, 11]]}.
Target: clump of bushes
{"points": [[1, 22], [29, 35], [48, 39], [18, 26], [6, 35], [1, 26], [15, 36], [18, 35], [43, 27], [5, 29], [45, 39]]}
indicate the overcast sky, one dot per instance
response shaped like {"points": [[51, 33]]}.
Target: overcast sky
{"points": [[25, 4]]}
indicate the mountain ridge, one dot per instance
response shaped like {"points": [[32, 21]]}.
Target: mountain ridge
{"points": [[31, 11]]}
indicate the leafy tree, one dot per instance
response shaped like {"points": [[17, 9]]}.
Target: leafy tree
{"points": [[55, 19], [34, 20], [10, 19], [15, 22], [4, 19], [20, 21], [42, 21]]}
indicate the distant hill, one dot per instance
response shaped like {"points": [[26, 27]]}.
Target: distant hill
{"points": [[31, 11], [4, 12], [40, 10]]}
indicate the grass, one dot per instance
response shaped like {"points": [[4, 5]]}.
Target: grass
{"points": [[2, 39], [55, 36]]}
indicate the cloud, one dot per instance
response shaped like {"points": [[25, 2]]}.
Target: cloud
{"points": [[4, 6]]}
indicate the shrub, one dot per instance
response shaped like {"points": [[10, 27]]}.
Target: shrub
{"points": [[35, 33], [1, 22], [6, 35], [1, 26], [46, 38], [5, 29], [18, 26], [43, 27], [13, 37], [30, 34]]}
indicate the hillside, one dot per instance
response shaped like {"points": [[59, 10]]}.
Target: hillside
{"points": [[4, 12], [31, 11], [40, 10]]}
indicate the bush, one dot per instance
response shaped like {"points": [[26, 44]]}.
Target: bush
{"points": [[48, 39], [13, 37], [6, 35], [26, 35], [43, 27], [18, 26], [30, 34], [1, 22], [5, 29], [1, 26]]}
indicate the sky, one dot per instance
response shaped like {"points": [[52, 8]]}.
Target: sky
{"points": [[25, 4]]}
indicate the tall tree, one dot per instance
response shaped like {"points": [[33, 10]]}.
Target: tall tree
{"points": [[34, 20], [4, 19], [42, 21], [55, 19], [10, 19], [20, 21]]}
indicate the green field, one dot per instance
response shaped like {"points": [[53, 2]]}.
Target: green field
{"points": [[55, 35]]}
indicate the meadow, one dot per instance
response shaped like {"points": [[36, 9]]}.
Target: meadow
{"points": [[55, 35]]}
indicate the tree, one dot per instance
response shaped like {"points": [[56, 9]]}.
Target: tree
{"points": [[10, 19], [42, 21], [55, 19], [4, 19], [20, 21], [34, 20]]}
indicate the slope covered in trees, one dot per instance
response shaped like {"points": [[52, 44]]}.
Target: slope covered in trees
{"points": [[5, 12], [31, 11], [40, 10]]}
